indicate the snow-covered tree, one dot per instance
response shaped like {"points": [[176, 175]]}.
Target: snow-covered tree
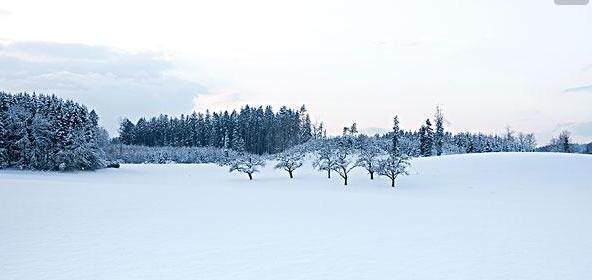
{"points": [[353, 129], [344, 162], [426, 139], [394, 166], [525, 142], [397, 162], [395, 144], [439, 134], [509, 141], [326, 157], [289, 161], [248, 164], [563, 142], [41, 137], [319, 131], [370, 152], [46, 133], [237, 142], [127, 131]]}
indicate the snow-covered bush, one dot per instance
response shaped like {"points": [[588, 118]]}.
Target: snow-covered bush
{"points": [[142, 154]]}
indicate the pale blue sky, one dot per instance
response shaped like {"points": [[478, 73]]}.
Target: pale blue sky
{"points": [[489, 63]]}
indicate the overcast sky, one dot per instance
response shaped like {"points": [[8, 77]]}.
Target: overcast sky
{"points": [[489, 63]]}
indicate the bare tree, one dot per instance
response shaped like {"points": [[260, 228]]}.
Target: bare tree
{"points": [[325, 158], [393, 166], [369, 155], [343, 160], [289, 161], [247, 164]]}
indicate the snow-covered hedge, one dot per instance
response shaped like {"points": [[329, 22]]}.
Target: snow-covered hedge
{"points": [[143, 154]]}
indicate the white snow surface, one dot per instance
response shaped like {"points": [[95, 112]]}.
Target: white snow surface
{"points": [[480, 216]]}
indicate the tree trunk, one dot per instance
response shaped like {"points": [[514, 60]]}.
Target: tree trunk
{"points": [[371, 175], [345, 180], [290, 172], [250, 176], [393, 182], [329, 173]]}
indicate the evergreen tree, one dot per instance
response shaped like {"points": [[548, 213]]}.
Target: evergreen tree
{"points": [[564, 143], [126, 132], [237, 142], [395, 137], [439, 134], [426, 139], [262, 130], [39, 131]]}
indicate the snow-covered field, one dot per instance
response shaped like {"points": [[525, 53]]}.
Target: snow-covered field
{"points": [[487, 216]]}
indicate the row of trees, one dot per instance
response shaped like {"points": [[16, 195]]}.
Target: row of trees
{"points": [[260, 130], [432, 140], [48, 133], [563, 144], [340, 155]]}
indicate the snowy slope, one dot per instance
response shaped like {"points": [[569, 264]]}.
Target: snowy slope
{"points": [[486, 216]]}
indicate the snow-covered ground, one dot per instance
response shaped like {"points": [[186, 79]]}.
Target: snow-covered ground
{"points": [[487, 216]]}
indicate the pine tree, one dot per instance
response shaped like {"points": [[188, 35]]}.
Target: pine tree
{"points": [[262, 130], [565, 142], [509, 141], [426, 139], [36, 129], [237, 142], [306, 129], [439, 135], [126, 132], [395, 137]]}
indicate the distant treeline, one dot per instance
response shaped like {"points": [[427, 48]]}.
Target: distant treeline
{"points": [[258, 130], [49, 133]]}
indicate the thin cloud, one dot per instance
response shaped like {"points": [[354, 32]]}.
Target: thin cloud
{"points": [[586, 89], [116, 83]]}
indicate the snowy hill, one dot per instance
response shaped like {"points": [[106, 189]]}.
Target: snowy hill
{"points": [[480, 216]]}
